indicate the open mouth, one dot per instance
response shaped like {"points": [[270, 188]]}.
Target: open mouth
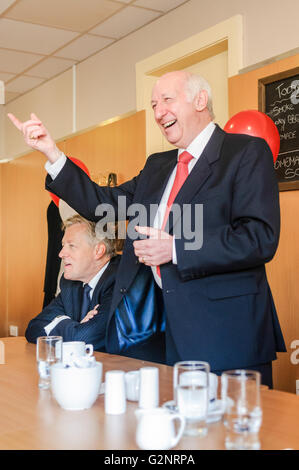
{"points": [[169, 124]]}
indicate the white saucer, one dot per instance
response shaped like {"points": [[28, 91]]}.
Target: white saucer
{"points": [[215, 411]]}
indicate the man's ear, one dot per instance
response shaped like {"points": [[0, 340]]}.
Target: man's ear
{"points": [[201, 100], [100, 250]]}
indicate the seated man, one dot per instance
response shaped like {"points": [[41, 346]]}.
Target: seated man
{"points": [[90, 258]]}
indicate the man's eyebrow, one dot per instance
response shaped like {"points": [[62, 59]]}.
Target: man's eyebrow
{"points": [[163, 95]]}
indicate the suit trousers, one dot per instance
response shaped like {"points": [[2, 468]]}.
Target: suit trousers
{"points": [[172, 357]]}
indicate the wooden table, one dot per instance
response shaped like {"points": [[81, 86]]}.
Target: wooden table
{"points": [[31, 419]]}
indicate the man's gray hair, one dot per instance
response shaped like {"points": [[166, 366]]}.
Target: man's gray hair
{"points": [[196, 83], [95, 233]]}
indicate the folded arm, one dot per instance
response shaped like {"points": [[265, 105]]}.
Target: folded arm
{"points": [[91, 331]]}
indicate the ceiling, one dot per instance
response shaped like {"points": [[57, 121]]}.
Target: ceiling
{"points": [[40, 39]]}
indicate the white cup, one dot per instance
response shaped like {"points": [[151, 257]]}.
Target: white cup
{"points": [[72, 349], [156, 430], [198, 378], [76, 388], [132, 379], [149, 387], [115, 392]]}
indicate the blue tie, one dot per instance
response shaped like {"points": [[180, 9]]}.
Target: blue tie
{"points": [[85, 301]]}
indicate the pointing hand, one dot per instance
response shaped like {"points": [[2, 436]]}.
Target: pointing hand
{"points": [[37, 136]]}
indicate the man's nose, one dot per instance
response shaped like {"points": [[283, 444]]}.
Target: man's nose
{"points": [[160, 111], [62, 252]]}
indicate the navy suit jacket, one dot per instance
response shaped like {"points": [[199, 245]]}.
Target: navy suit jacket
{"points": [[68, 302], [219, 306]]}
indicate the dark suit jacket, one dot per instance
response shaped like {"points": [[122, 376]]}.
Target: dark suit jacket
{"points": [[53, 262], [68, 302], [219, 306]]}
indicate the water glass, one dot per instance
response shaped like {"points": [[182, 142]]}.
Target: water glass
{"points": [[48, 352], [191, 395], [240, 390]]}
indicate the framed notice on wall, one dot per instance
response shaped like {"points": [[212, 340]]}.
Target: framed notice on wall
{"points": [[279, 99]]}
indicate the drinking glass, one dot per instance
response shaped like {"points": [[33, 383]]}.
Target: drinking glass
{"points": [[191, 395], [240, 390], [48, 351]]}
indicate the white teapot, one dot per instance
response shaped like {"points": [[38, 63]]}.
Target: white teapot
{"points": [[156, 430]]}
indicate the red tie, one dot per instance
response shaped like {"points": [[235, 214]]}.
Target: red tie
{"points": [[181, 174]]}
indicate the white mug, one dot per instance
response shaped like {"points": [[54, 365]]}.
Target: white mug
{"points": [[149, 387], [115, 392], [132, 379], [156, 430], [76, 388], [72, 349]]}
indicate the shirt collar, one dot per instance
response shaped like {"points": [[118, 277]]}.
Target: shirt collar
{"points": [[198, 144], [93, 282]]}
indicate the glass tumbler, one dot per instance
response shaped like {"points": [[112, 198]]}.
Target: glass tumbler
{"points": [[191, 395], [240, 391], [48, 351]]}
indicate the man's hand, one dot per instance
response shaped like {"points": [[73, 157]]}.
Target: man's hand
{"points": [[155, 250], [37, 136], [90, 314]]}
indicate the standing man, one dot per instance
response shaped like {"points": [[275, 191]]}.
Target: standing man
{"points": [[215, 295]]}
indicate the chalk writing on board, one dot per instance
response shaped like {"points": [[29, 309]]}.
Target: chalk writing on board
{"points": [[282, 105]]}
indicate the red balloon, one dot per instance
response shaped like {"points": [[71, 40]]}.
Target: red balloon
{"points": [[80, 165], [258, 124], [55, 199]]}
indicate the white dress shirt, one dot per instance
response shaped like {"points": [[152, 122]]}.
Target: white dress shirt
{"points": [[92, 283]]}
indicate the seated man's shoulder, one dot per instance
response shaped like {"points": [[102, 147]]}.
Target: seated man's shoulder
{"points": [[112, 269], [68, 284], [114, 262]]}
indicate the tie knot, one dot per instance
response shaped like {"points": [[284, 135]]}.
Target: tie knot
{"points": [[185, 157], [86, 289]]}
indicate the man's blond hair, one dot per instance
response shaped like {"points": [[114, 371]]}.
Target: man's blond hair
{"points": [[95, 233]]}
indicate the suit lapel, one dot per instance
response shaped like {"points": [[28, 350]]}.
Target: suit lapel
{"points": [[200, 173], [99, 286], [159, 178], [77, 300]]}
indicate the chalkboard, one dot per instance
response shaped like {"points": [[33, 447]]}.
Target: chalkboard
{"points": [[279, 99]]}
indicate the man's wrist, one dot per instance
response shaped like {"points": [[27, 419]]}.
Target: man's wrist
{"points": [[54, 168], [53, 155]]}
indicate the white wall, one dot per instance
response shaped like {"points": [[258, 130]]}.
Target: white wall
{"points": [[106, 81], [52, 103]]}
